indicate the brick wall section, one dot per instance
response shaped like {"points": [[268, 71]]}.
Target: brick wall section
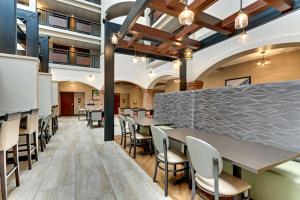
{"points": [[148, 96], [195, 85]]}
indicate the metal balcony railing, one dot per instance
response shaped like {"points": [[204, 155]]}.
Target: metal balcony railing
{"points": [[65, 57], [70, 23]]}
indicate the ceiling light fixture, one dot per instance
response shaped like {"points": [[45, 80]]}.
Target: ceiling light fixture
{"points": [[186, 17], [262, 62], [241, 21], [244, 35], [188, 53]]}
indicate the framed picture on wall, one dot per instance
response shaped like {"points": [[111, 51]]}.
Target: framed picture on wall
{"points": [[95, 95], [235, 82]]}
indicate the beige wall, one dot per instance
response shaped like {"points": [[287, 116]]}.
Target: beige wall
{"points": [[283, 67], [171, 86], [77, 88], [133, 92]]}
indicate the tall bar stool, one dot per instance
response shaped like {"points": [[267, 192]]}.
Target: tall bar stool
{"points": [[208, 164], [31, 130], [9, 136], [167, 156]]}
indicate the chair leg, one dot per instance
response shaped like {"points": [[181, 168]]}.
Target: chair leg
{"points": [[193, 184], [16, 161], [125, 141], [3, 174], [41, 143], [166, 178], [35, 143], [28, 151], [155, 170], [134, 149], [121, 138], [174, 173], [130, 148], [150, 146]]}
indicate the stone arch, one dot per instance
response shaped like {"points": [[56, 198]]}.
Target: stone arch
{"points": [[161, 76]]}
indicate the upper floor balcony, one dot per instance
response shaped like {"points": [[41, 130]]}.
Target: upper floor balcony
{"points": [[68, 57], [70, 23]]}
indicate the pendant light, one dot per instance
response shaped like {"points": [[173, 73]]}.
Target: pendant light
{"points": [[244, 35], [135, 59], [186, 17], [241, 21], [188, 54], [262, 62]]}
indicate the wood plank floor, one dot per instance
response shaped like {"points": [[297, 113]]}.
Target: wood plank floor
{"points": [[147, 163], [78, 164]]}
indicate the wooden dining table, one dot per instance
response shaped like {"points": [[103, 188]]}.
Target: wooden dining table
{"points": [[251, 156]]}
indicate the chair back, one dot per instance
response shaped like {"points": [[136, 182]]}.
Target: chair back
{"points": [[32, 121], [202, 156], [9, 132], [46, 122], [96, 115], [131, 127], [159, 136], [122, 121], [141, 114], [128, 112]]}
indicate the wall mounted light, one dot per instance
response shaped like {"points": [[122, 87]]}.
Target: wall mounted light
{"points": [[241, 21], [114, 38], [188, 53], [262, 62], [186, 17]]}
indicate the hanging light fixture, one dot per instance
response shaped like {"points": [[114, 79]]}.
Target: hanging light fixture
{"points": [[135, 59], [114, 38], [262, 62], [188, 53], [241, 21], [186, 17], [177, 63], [244, 35]]}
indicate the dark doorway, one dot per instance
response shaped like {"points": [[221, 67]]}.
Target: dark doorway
{"points": [[117, 103], [67, 103]]}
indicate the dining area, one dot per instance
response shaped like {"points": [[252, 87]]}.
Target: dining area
{"points": [[202, 148]]}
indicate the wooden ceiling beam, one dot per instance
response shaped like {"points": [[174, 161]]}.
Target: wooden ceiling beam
{"points": [[251, 10], [201, 19], [142, 48], [135, 38], [164, 36], [280, 5]]}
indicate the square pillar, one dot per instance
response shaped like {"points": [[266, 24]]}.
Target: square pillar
{"points": [[148, 96]]}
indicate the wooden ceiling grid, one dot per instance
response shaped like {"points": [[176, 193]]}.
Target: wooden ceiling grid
{"points": [[172, 44]]}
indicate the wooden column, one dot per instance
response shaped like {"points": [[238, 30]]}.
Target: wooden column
{"points": [[8, 26], [44, 53], [32, 35], [109, 85], [182, 74]]}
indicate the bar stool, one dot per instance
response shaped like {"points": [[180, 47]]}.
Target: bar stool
{"points": [[31, 130], [9, 136], [167, 156], [208, 164]]}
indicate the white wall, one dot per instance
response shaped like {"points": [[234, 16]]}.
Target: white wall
{"points": [[18, 82], [45, 93], [54, 93]]}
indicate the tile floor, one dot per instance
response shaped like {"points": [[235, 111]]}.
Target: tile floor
{"points": [[78, 164]]}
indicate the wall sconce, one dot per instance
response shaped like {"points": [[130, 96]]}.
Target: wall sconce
{"points": [[188, 54], [115, 38]]}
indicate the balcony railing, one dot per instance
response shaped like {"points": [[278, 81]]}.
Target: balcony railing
{"points": [[154, 16], [70, 23], [95, 1], [65, 57]]}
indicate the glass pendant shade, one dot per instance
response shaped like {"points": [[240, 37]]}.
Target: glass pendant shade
{"points": [[114, 39], [241, 21], [186, 17], [188, 54]]}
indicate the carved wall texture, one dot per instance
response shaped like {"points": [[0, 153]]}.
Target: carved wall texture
{"points": [[267, 113]]}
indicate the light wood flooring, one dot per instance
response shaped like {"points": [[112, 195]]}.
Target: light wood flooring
{"points": [[78, 164]]}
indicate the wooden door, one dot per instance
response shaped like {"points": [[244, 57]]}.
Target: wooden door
{"points": [[116, 103], [67, 103]]}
